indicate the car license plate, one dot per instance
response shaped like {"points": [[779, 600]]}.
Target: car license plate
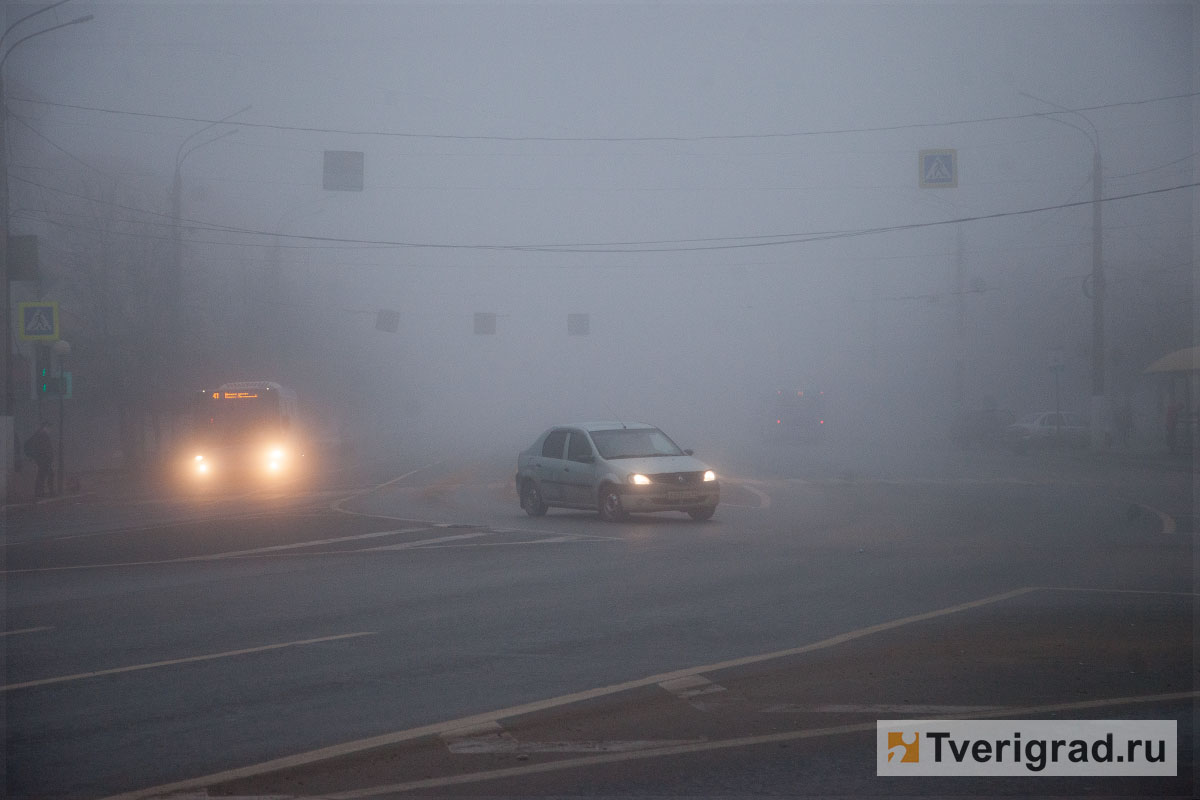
{"points": [[681, 497]]}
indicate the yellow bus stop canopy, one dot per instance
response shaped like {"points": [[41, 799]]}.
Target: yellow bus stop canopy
{"points": [[1185, 360]]}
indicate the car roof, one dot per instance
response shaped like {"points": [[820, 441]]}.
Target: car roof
{"points": [[605, 425]]}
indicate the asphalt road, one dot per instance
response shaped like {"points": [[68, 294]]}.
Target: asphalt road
{"points": [[402, 627]]}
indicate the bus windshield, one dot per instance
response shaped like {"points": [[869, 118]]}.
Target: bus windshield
{"points": [[234, 418]]}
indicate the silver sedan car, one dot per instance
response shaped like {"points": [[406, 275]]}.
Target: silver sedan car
{"points": [[1047, 429], [615, 468]]}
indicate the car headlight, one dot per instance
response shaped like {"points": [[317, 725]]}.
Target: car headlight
{"points": [[639, 479], [709, 475]]}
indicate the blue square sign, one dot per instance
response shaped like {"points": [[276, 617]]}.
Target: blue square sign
{"points": [[939, 169], [38, 321]]}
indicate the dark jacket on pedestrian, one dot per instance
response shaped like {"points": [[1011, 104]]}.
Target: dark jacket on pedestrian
{"points": [[39, 447]]}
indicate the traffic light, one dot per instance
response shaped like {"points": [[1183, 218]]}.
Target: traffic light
{"points": [[47, 381], [42, 368]]}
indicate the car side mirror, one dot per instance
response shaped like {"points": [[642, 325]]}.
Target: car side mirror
{"points": [[689, 452]]}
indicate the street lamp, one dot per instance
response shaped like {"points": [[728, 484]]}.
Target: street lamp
{"points": [[1099, 404], [175, 277], [7, 429], [61, 350]]}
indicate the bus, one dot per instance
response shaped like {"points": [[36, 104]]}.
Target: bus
{"points": [[248, 430]]}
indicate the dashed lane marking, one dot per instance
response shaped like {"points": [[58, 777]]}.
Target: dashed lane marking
{"points": [[26, 630], [175, 661]]}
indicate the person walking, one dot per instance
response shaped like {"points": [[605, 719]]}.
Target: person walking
{"points": [[40, 449]]}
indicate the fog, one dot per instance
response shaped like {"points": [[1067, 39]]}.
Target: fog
{"points": [[730, 192]]}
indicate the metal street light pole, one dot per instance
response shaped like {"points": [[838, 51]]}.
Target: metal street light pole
{"points": [[1099, 404], [7, 429], [62, 349], [174, 283], [172, 287]]}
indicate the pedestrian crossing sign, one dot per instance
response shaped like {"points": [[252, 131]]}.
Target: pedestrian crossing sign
{"points": [[39, 321], [938, 169]]}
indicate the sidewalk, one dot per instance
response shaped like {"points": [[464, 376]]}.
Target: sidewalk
{"points": [[19, 489]]}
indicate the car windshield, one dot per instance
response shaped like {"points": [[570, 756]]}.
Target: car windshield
{"points": [[634, 443]]}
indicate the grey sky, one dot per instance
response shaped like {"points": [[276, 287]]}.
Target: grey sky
{"points": [[586, 90]]}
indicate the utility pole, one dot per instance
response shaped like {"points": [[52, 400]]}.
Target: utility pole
{"points": [[960, 303], [7, 429], [1099, 416]]}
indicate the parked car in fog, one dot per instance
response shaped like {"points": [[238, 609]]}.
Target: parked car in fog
{"points": [[797, 415], [615, 468], [984, 427], [1047, 429]]}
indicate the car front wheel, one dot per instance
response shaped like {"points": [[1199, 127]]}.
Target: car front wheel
{"points": [[703, 513], [609, 504], [531, 500]]}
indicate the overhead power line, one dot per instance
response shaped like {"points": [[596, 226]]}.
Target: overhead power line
{"points": [[677, 138], [649, 246]]}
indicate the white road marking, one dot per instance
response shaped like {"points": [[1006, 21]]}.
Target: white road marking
{"points": [[883, 708], [489, 727], [491, 737], [691, 686], [311, 543], [439, 728], [506, 743], [424, 542], [26, 630], [721, 744], [277, 548], [764, 500], [337, 505], [1115, 591], [189, 660], [1168, 522]]}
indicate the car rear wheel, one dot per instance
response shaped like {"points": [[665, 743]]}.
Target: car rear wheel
{"points": [[609, 504], [531, 500], [703, 513]]}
